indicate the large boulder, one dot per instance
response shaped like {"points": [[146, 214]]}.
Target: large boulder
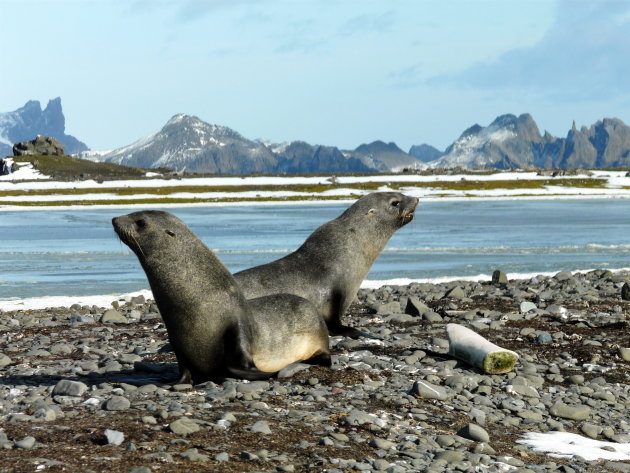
{"points": [[6, 166], [44, 145]]}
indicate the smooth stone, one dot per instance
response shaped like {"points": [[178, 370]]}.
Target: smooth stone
{"points": [[450, 456], [261, 427], [117, 403], [222, 457], [544, 338], [474, 432], [559, 409], [193, 455], [499, 277], [65, 387], [4, 360], [292, 369], [389, 308], [113, 316], [184, 426], [625, 354], [426, 390], [526, 306], [26, 443]]}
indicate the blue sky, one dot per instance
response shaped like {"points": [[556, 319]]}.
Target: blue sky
{"points": [[334, 72]]}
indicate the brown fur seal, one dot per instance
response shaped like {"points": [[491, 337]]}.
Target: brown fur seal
{"points": [[333, 261], [210, 325]]}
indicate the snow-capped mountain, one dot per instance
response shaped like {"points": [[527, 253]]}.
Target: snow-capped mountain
{"points": [[505, 143], [516, 142], [188, 143], [27, 122]]}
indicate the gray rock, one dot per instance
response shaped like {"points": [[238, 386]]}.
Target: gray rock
{"points": [[499, 277], [4, 360], [416, 307], [474, 432], [26, 443], [65, 387], [261, 427], [114, 437], [389, 308], [559, 409], [113, 316], [624, 353], [184, 426], [544, 338], [526, 306], [222, 457], [193, 455], [292, 369], [563, 275], [455, 293], [117, 403], [426, 390]]}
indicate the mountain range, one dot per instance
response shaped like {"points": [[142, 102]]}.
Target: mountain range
{"points": [[27, 122], [187, 143], [190, 144], [515, 142]]}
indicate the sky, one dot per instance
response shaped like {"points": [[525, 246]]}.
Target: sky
{"points": [[331, 72]]}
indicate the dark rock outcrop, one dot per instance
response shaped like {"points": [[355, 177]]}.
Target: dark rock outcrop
{"points": [[44, 145], [30, 120]]}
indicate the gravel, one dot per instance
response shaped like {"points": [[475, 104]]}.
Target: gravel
{"points": [[87, 388]]}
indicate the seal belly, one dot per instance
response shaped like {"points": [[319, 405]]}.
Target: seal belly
{"points": [[297, 348]]}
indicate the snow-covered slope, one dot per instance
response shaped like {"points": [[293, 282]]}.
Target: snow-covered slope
{"points": [[188, 143]]}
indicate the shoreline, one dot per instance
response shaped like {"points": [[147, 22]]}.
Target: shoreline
{"points": [[106, 300], [306, 201], [88, 388]]}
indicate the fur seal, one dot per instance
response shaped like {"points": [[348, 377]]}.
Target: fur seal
{"points": [[213, 329], [333, 261]]}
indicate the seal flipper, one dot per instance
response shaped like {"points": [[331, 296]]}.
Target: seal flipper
{"points": [[351, 332], [251, 374], [320, 359]]}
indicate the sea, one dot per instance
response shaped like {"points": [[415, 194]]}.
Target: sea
{"points": [[75, 252]]}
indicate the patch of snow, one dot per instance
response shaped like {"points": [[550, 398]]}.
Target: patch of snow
{"points": [[567, 445], [23, 173], [35, 303]]}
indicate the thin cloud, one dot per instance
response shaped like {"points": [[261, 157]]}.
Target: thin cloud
{"points": [[582, 57]]}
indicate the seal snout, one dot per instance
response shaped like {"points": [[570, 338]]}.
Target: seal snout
{"points": [[408, 213]]}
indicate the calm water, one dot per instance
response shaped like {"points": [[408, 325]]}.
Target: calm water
{"points": [[75, 252]]}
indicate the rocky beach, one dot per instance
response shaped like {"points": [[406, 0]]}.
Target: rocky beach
{"points": [[87, 388]]}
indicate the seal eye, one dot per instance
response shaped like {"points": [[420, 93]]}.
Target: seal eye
{"points": [[140, 224], [170, 233], [395, 203]]}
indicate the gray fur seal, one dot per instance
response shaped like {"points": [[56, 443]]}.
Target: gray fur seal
{"points": [[213, 330], [331, 264]]}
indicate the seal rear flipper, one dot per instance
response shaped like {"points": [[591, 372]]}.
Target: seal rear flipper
{"points": [[320, 359], [251, 374]]}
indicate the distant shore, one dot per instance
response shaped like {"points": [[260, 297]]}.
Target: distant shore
{"points": [[269, 190]]}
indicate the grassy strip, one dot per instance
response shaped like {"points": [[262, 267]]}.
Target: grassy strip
{"points": [[69, 168], [167, 200], [464, 185]]}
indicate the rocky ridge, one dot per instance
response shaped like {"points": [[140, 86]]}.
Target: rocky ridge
{"points": [[516, 142], [27, 122], [84, 388]]}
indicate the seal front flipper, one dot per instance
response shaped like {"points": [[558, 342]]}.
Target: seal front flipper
{"points": [[351, 332]]}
